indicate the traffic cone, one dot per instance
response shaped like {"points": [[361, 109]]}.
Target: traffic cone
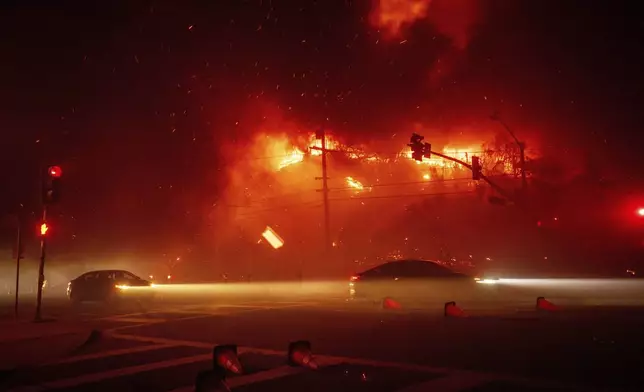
{"points": [[389, 303], [545, 305], [225, 358], [299, 354], [451, 310], [211, 381]]}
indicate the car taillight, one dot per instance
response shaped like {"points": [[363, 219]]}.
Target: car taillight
{"points": [[354, 278]]}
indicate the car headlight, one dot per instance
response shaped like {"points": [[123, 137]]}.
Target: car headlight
{"points": [[487, 280]]}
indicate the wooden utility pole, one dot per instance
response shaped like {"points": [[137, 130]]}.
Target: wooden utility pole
{"points": [[321, 135], [18, 257]]}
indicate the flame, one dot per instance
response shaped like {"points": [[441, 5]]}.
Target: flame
{"points": [[292, 155], [296, 156], [462, 153], [354, 183], [331, 144]]}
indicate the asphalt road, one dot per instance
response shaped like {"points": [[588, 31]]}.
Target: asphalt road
{"points": [[361, 347]]}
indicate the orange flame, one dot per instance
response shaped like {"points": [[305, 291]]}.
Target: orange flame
{"points": [[296, 156], [354, 183]]}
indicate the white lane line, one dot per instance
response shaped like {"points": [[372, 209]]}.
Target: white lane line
{"points": [[150, 339], [366, 362], [96, 377], [272, 374], [111, 353], [453, 382], [136, 320]]}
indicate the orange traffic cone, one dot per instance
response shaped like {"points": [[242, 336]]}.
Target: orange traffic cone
{"points": [[545, 305], [389, 303], [211, 381], [225, 358], [299, 354], [451, 310]]}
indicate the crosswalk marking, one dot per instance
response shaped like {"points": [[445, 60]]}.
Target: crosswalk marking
{"points": [[326, 360], [96, 377], [272, 374], [111, 353], [137, 320], [449, 380]]}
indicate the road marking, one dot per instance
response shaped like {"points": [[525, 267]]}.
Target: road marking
{"points": [[453, 382], [272, 374], [364, 362], [136, 320], [96, 377], [111, 353]]}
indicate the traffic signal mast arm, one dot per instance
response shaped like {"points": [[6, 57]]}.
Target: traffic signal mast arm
{"points": [[483, 177]]}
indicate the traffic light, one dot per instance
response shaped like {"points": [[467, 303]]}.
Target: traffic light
{"points": [[418, 148], [417, 152], [44, 228], [640, 212], [476, 168], [51, 185]]}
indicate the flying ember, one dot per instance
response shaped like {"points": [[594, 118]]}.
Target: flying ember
{"points": [[354, 183]]}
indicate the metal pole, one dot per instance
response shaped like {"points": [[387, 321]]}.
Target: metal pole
{"points": [[18, 257], [41, 267], [325, 192]]}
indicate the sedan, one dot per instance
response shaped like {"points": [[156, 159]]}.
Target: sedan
{"points": [[417, 282], [108, 286]]}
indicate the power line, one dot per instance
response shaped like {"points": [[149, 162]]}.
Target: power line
{"points": [[367, 154], [310, 204], [403, 184], [304, 192], [401, 196]]}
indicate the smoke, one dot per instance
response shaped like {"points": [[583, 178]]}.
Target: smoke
{"points": [[452, 19]]}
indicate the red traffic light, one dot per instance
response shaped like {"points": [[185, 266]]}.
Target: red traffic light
{"points": [[640, 212], [44, 228], [55, 171]]}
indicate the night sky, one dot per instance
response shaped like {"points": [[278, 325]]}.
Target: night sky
{"points": [[137, 99]]}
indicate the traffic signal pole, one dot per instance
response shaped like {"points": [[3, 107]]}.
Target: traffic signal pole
{"points": [[483, 177], [41, 266]]}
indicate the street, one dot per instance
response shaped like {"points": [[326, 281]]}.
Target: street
{"points": [[360, 347]]}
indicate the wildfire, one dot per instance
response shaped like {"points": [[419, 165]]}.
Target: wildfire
{"points": [[296, 156], [331, 144], [354, 183]]}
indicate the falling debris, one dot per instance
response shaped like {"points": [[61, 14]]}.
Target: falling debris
{"points": [[273, 238]]}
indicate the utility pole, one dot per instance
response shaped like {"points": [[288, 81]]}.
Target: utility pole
{"points": [[321, 135], [524, 182], [50, 194], [41, 266], [18, 257]]}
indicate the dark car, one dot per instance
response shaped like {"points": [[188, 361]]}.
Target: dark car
{"points": [[415, 282], [108, 286]]}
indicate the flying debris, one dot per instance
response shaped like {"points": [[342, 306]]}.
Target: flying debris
{"points": [[273, 238]]}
